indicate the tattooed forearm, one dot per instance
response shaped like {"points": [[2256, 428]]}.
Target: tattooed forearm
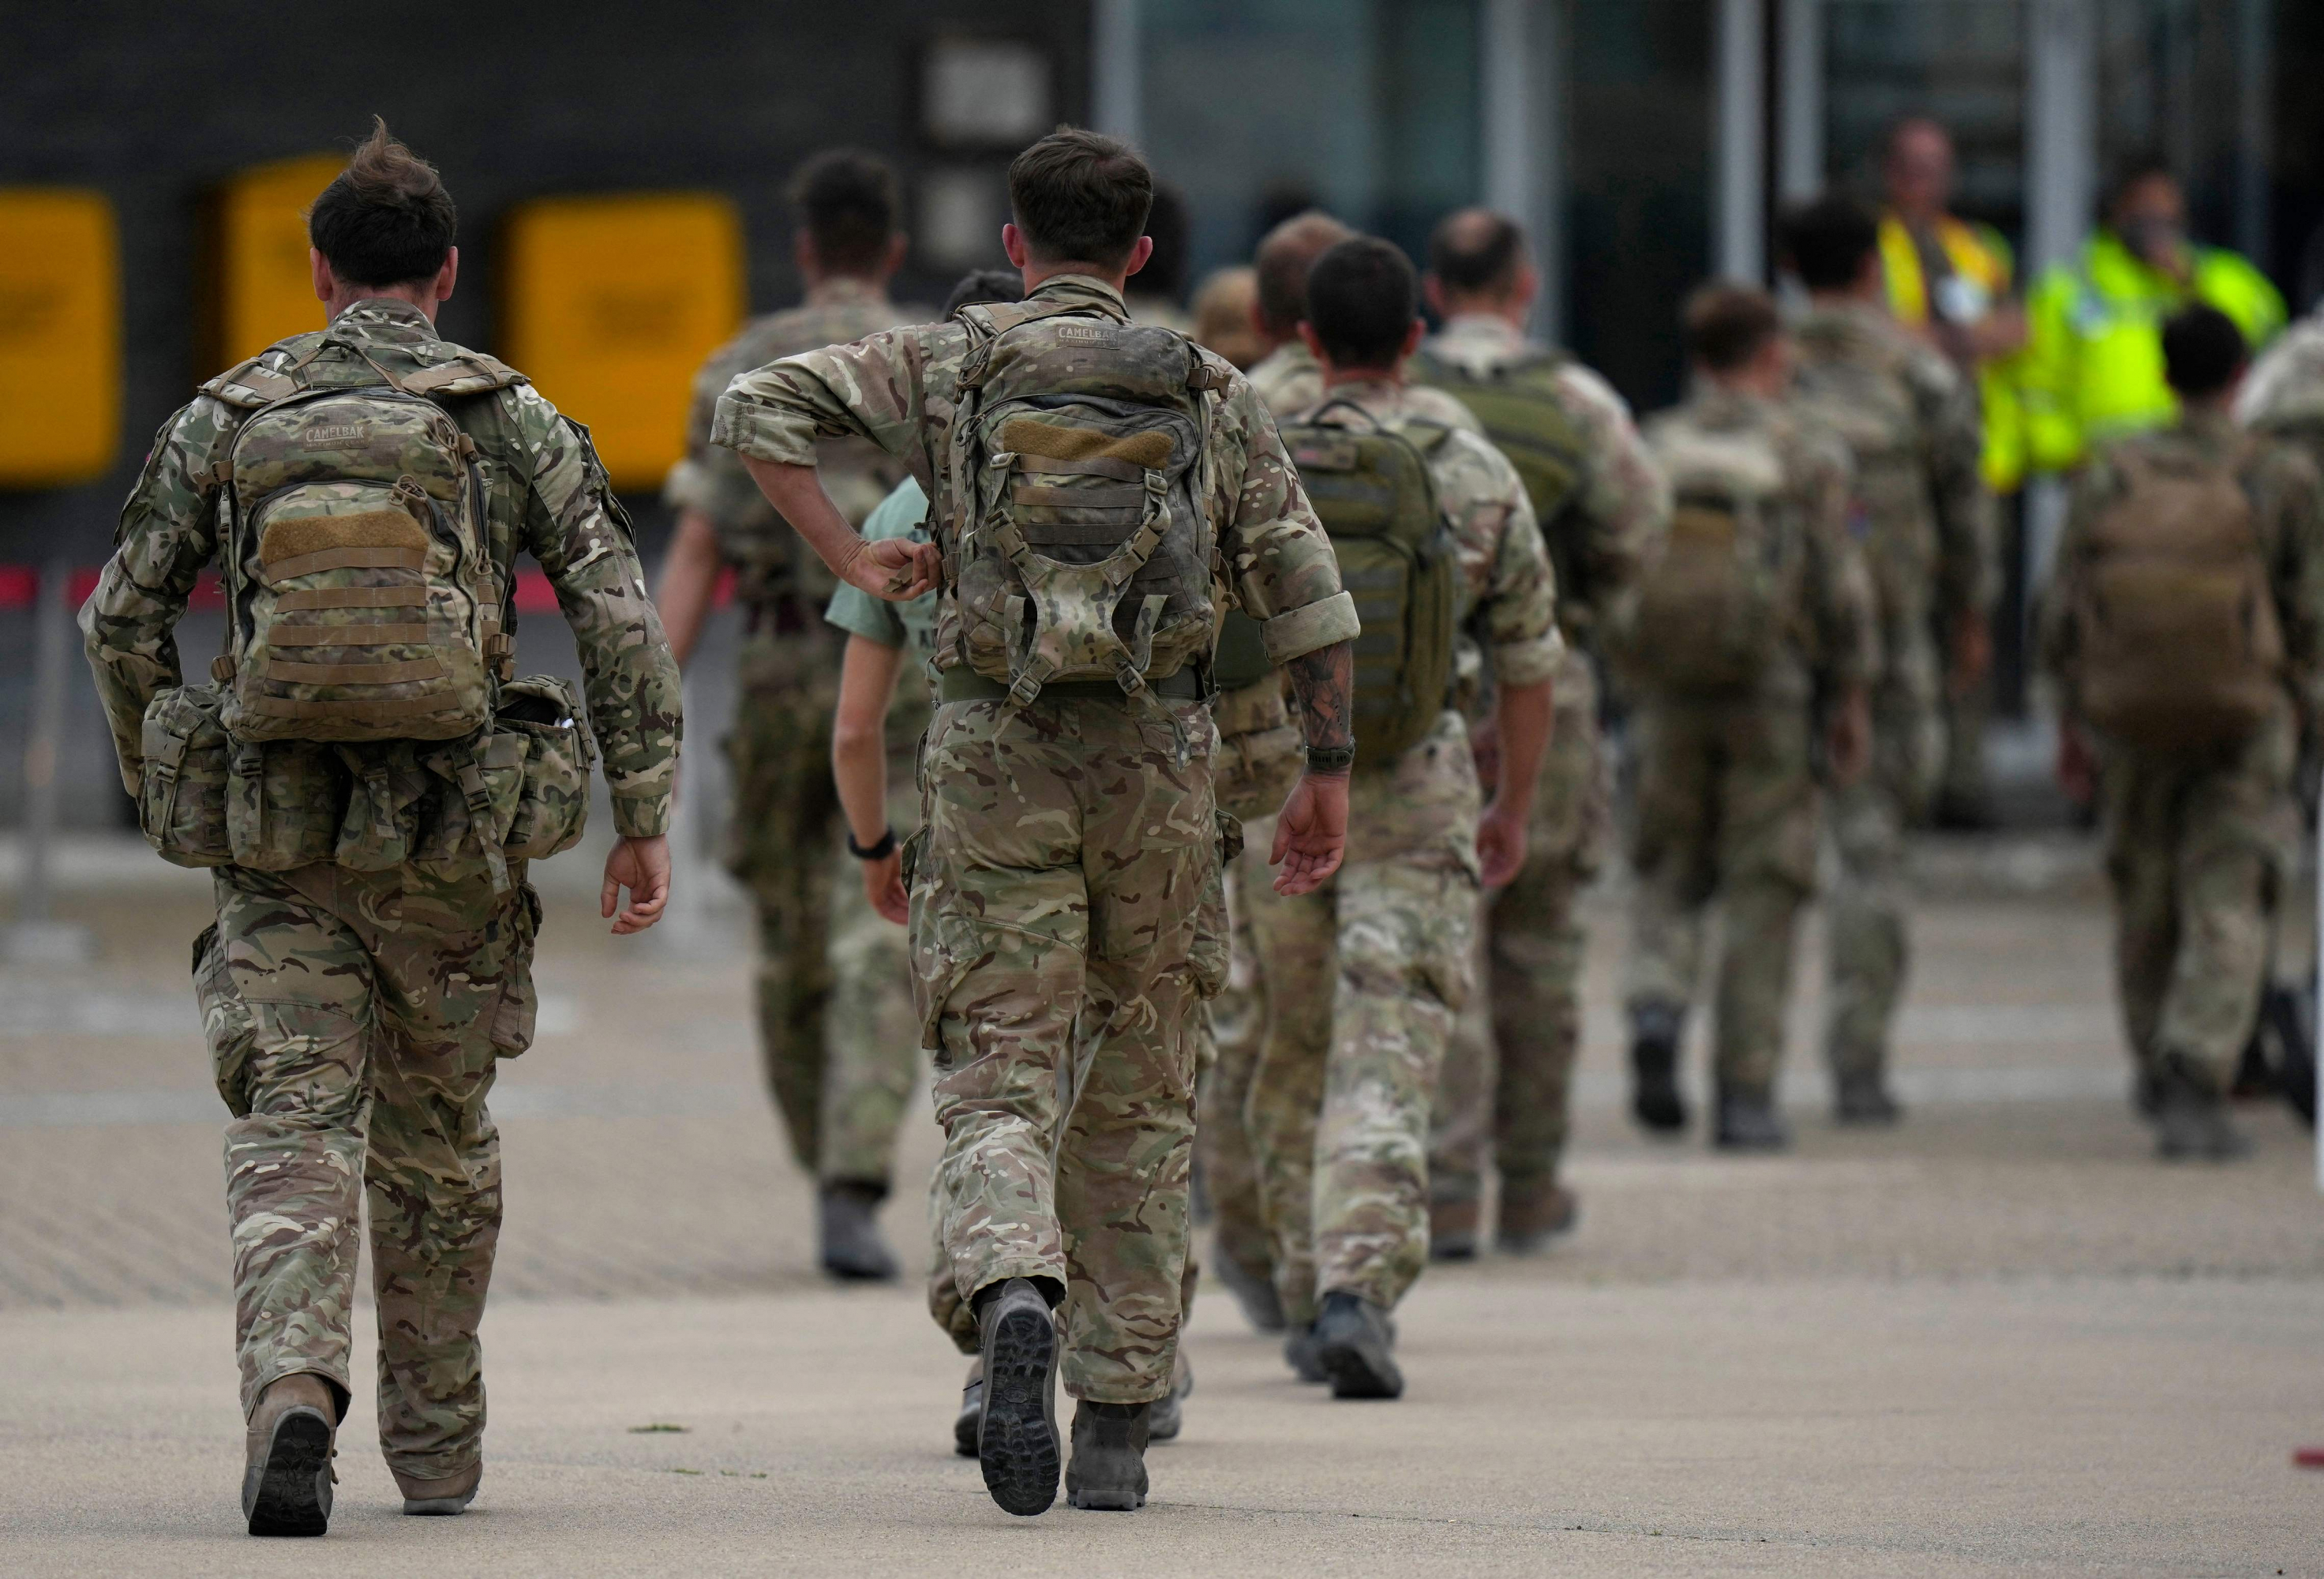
{"points": [[1324, 682]]}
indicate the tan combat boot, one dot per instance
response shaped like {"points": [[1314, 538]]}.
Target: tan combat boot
{"points": [[287, 1474], [441, 1498], [1453, 1230], [1532, 1217]]}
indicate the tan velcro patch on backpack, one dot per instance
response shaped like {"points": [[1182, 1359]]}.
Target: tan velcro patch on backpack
{"points": [[1024, 435], [298, 535]]}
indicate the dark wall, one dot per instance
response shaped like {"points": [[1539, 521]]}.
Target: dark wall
{"points": [[154, 104]]}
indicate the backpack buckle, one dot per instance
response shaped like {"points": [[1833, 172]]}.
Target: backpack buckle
{"points": [[221, 669]]}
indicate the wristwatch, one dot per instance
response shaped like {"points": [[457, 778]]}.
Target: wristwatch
{"points": [[878, 852], [1331, 759]]}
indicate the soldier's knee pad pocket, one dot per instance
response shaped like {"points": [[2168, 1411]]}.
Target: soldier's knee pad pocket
{"points": [[226, 1023], [514, 1013]]}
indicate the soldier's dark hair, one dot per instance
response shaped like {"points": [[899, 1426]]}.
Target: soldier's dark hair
{"points": [[385, 220], [1476, 252], [1827, 241], [980, 286], [1080, 197], [1363, 296], [2202, 351], [846, 203], [1286, 254], [1727, 325], [1167, 222]]}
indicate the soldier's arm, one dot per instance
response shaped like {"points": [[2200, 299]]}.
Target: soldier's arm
{"points": [[167, 533], [2053, 624], [572, 526], [1519, 617], [1840, 595], [1969, 575], [1624, 503], [2298, 576]]}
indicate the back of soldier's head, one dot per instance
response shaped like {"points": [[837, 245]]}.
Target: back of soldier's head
{"points": [[1224, 308], [1829, 241], [1728, 325], [982, 287], [846, 204], [1286, 254], [2203, 352], [386, 220], [1477, 253], [1080, 197], [1362, 298]]}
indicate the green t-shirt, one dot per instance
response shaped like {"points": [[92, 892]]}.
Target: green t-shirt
{"points": [[902, 513]]}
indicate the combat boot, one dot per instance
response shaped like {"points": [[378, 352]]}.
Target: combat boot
{"points": [[1299, 1353], [2190, 1117], [287, 1473], [1453, 1230], [1863, 1099], [1656, 1030], [1533, 1215], [1108, 1473], [1262, 1306], [1748, 1121], [849, 1229], [1017, 1444], [970, 1421], [1166, 1415], [446, 1499], [1352, 1340]]}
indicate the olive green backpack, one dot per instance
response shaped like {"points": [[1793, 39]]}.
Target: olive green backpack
{"points": [[1517, 403], [1372, 489]]}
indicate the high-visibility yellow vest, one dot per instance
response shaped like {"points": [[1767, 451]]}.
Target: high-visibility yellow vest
{"points": [[1983, 269], [2093, 367]]}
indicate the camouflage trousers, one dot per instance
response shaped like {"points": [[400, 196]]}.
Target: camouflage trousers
{"points": [[1069, 923], [354, 1021], [1363, 978], [2199, 849], [872, 1039], [1727, 811], [1503, 1091], [1236, 1026], [1866, 949], [781, 841]]}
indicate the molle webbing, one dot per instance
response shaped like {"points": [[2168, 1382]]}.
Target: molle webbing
{"points": [[398, 672], [380, 708], [373, 634], [322, 597], [345, 559]]}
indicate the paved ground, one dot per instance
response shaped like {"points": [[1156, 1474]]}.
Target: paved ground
{"points": [[2000, 1340]]}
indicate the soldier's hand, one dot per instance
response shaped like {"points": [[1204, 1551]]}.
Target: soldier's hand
{"points": [[883, 886], [2078, 773], [1312, 834], [1500, 846], [894, 568], [642, 866], [1848, 739]]}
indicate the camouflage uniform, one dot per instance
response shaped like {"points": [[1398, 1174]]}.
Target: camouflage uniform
{"points": [[786, 814], [1506, 1074], [1067, 902], [1925, 525], [2283, 394], [1365, 974], [1727, 802], [355, 1005], [1290, 380], [2200, 844]]}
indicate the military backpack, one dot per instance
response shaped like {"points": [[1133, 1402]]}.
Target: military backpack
{"points": [[1520, 405], [1075, 523], [1717, 606], [1372, 489], [2177, 639]]}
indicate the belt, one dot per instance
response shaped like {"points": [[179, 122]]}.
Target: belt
{"points": [[964, 684]]}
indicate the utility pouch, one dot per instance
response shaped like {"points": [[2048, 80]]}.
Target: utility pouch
{"points": [[182, 793], [1261, 751], [541, 714], [282, 804]]}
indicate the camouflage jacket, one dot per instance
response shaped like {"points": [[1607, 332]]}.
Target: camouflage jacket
{"points": [[2287, 512], [1290, 379], [899, 389], [1836, 640], [1621, 504], [1924, 517], [544, 493], [2283, 394], [769, 559]]}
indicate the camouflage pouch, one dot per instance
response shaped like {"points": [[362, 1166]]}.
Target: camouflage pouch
{"points": [[1260, 749], [284, 804], [552, 799], [181, 790]]}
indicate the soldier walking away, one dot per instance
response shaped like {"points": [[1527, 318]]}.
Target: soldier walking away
{"points": [[842, 1098], [1602, 507], [1924, 523], [2183, 625], [368, 782], [1751, 648], [1364, 975], [1098, 489]]}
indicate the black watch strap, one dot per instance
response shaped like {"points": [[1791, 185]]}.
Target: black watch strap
{"points": [[879, 851], [1331, 759]]}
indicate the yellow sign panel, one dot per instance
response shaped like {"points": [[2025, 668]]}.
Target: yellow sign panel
{"points": [[60, 337], [266, 290], [611, 303]]}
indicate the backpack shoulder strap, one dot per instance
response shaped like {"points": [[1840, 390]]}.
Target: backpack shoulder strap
{"points": [[252, 384], [469, 373]]}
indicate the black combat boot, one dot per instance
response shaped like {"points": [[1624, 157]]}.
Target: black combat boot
{"points": [[1352, 1340], [1863, 1098], [849, 1228], [1017, 1444], [1165, 1417], [1108, 1473], [1300, 1354], [286, 1478], [1655, 1032], [2191, 1116], [970, 1421], [1535, 1214], [1453, 1230], [1748, 1121]]}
